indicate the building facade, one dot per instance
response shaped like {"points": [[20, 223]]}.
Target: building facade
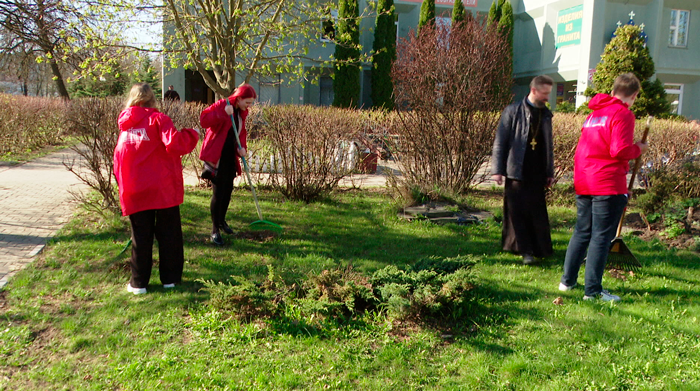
{"points": [[560, 38]]}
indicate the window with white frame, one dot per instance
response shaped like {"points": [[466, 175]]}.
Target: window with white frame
{"points": [[328, 26], [678, 35], [674, 94]]}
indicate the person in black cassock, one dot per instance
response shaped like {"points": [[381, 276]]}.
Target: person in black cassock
{"points": [[523, 155], [171, 94]]}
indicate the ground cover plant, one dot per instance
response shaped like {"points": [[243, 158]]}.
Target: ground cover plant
{"points": [[67, 322]]}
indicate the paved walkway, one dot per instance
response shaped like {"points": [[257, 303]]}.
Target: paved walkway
{"points": [[34, 203]]}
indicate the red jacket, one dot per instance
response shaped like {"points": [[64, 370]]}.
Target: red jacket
{"points": [[605, 148], [218, 123], [147, 160]]}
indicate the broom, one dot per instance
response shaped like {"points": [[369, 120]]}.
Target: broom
{"points": [[620, 256]]}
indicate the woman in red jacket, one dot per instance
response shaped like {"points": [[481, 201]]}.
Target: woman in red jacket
{"points": [[221, 153], [600, 172], [148, 170]]}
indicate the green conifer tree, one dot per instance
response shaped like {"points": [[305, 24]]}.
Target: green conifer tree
{"points": [[627, 52], [505, 28], [427, 14], [346, 80], [494, 12], [384, 55], [458, 13]]}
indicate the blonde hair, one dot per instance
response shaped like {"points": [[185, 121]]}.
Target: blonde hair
{"points": [[142, 95]]}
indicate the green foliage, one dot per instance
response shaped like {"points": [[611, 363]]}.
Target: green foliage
{"points": [[346, 79], [627, 52], [432, 287], [384, 55], [427, 14], [494, 13], [565, 107], [652, 100], [98, 86], [146, 73], [458, 13]]}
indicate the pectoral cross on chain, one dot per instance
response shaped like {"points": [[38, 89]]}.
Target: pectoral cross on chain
{"points": [[533, 143]]}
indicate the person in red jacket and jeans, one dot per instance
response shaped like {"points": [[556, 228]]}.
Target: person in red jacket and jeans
{"points": [[221, 153], [148, 170], [600, 180]]}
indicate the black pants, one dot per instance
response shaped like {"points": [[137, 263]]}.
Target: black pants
{"points": [[164, 224], [222, 189]]}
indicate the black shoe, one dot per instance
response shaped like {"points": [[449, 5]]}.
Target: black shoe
{"points": [[529, 260], [226, 228], [217, 239]]}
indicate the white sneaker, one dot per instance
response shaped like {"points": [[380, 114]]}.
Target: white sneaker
{"points": [[136, 291], [565, 288], [604, 296], [168, 286]]}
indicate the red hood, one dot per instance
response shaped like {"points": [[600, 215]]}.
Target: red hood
{"points": [[601, 101], [133, 115]]}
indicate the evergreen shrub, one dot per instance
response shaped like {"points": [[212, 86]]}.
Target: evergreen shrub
{"points": [[435, 287]]}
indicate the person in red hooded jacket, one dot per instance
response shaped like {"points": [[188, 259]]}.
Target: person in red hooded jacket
{"points": [[601, 163], [221, 153], [148, 170]]}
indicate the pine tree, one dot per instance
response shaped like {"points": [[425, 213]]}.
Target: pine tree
{"points": [[494, 13], [346, 80], [458, 13], [627, 52], [427, 14], [505, 28], [384, 55], [148, 74]]}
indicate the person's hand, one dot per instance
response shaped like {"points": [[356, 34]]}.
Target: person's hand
{"points": [[550, 182], [497, 178], [228, 109], [642, 146], [242, 152]]}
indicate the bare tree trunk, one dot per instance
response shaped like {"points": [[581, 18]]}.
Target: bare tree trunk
{"points": [[60, 84]]}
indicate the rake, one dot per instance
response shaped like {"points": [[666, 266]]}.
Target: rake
{"points": [[620, 256], [260, 222]]}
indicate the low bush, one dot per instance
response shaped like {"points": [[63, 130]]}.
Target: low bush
{"points": [[433, 287], [311, 146], [93, 122], [30, 123]]}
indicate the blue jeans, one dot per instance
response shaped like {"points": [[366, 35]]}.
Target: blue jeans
{"points": [[596, 225]]}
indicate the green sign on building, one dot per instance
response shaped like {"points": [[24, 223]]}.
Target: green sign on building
{"points": [[569, 22]]}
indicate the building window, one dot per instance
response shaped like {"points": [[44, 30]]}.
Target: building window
{"points": [[674, 94], [328, 26], [678, 36]]}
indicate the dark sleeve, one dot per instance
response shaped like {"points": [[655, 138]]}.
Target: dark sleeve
{"points": [[501, 143]]}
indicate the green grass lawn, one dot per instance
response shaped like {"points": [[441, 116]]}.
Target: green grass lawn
{"points": [[67, 321]]}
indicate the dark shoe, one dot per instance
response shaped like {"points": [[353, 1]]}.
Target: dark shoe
{"points": [[529, 260], [226, 228], [217, 239]]}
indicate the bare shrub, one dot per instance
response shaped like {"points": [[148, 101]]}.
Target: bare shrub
{"points": [[310, 144], [186, 115], [30, 123], [450, 88], [566, 130], [93, 121]]}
